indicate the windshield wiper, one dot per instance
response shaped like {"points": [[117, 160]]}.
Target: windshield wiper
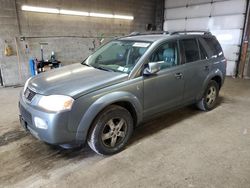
{"points": [[105, 69]]}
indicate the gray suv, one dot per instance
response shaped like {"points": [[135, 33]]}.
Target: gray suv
{"points": [[123, 84]]}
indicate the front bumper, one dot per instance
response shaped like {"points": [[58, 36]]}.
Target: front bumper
{"points": [[57, 132]]}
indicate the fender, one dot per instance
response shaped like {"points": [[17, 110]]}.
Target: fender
{"points": [[212, 73], [99, 105]]}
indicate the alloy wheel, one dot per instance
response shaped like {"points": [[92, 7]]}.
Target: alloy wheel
{"points": [[114, 132], [211, 95]]}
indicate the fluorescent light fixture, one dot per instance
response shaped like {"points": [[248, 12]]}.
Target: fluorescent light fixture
{"points": [[40, 9], [93, 14], [123, 17], [116, 16], [76, 13]]}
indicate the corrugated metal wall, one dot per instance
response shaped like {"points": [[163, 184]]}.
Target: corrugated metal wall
{"points": [[224, 18]]}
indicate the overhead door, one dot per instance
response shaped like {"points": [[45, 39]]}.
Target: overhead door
{"points": [[224, 18]]}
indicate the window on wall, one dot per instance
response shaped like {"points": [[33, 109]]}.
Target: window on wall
{"points": [[166, 54], [191, 50]]}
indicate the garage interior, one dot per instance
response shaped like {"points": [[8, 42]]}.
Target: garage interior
{"points": [[183, 148]]}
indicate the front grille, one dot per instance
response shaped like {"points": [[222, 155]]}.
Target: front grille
{"points": [[25, 114], [29, 94]]}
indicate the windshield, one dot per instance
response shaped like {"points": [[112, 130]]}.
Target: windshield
{"points": [[117, 56]]}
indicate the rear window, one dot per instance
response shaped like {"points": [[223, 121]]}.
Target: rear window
{"points": [[214, 47], [191, 50]]}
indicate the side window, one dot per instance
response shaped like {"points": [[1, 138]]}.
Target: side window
{"points": [[203, 51], [166, 54], [191, 50], [214, 46]]}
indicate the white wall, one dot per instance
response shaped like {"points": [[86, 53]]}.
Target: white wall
{"points": [[224, 18]]}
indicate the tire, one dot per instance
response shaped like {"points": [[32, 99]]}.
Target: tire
{"points": [[111, 130], [210, 96]]}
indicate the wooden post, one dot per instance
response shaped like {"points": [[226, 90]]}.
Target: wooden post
{"points": [[243, 59], [244, 46]]}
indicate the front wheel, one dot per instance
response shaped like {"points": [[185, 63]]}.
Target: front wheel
{"points": [[209, 99], [111, 130]]}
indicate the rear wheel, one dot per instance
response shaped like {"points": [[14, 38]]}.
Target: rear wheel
{"points": [[111, 130], [209, 99]]}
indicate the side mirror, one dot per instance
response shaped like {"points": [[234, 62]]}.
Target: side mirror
{"points": [[153, 68]]}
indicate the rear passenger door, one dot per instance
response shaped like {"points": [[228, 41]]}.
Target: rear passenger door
{"points": [[196, 67]]}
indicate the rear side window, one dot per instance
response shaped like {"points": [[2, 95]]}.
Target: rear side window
{"points": [[203, 52], [191, 50], [214, 46]]}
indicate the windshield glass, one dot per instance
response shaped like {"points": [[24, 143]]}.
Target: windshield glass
{"points": [[118, 56]]}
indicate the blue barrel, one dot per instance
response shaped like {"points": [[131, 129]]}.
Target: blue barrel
{"points": [[32, 67]]}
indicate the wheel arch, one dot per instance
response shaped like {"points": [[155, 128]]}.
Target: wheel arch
{"points": [[130, 107], [215, 75], [123, 99], [218, 79]]}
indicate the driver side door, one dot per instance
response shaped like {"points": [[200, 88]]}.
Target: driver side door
{"points": [[164, 90]]}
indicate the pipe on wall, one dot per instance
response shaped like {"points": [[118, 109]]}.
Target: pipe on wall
{"points": [[18, 19]]}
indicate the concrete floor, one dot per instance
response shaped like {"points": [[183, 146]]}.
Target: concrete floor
{"points": [[185, 148]]}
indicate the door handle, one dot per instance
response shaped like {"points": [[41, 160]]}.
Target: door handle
{"points": [[206, 68], [178, 75]]}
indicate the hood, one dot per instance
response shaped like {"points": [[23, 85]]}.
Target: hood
{"points": [[74, 80]]}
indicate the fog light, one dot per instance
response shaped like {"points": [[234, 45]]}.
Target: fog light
{"points": [[40, 123]]}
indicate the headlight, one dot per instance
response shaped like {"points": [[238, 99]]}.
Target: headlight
{"points": [[56, 103]]}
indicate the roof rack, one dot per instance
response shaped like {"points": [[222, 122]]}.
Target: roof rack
{"points": [[191, 32], [135, 33], [149, 33]]}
